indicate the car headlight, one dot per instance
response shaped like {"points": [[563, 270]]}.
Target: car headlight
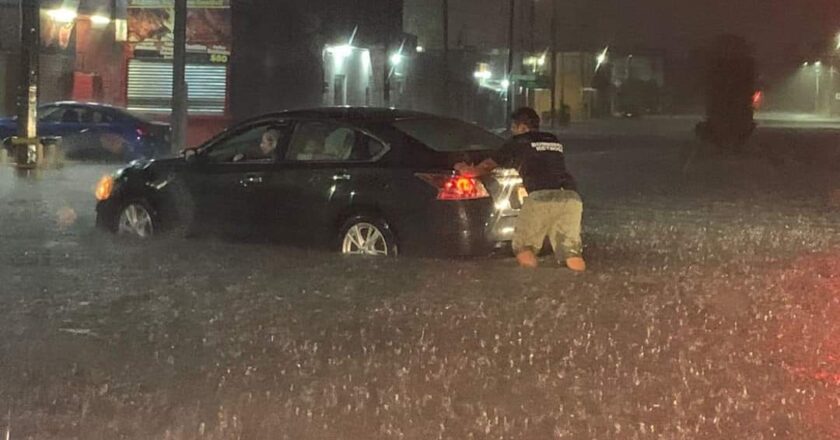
{"points": [[104, 188]]}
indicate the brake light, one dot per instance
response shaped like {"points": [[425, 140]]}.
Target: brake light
{"points": [[456, 187]]}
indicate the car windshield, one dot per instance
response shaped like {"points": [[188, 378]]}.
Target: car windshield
{"points": [[45, 112], [449, 135]]}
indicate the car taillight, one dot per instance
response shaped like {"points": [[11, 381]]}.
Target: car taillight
{"points": [[142, 132], [456, 187]]}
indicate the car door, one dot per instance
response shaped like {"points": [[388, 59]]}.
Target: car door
{"points": [[318, 179], [85, 137], [229, 177], [49, 120]]}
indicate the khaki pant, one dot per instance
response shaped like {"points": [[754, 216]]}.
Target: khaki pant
{"points": [[555, 214]]}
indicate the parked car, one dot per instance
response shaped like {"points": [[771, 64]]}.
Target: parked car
{"points": [[95, 131], [357, 180]]}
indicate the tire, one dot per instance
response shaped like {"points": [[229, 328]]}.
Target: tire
{"points": [[357, 232], [136, 219]]}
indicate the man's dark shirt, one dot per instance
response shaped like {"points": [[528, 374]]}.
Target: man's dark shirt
{"points": [[539, 159]]}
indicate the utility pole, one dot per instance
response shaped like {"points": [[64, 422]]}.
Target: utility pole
{"points": [[533, 24], [446, 91], [180, 93], [27, 144], [818, 75], [386, 83], [511, 43], [553, 71]]}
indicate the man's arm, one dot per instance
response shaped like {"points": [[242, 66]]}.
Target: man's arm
{"points": [[505, 156], [485, 167]]}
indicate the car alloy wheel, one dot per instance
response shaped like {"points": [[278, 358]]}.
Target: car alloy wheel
{"points": [[364, 238], [135, 220]]}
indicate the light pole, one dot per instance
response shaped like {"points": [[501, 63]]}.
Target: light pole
{"points": [[27, 142], [180, 93], [446, 88], [553, 70], [509, 78], [817, 75]]}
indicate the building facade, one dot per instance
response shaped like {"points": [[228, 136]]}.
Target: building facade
{"points": [[320, 52]]}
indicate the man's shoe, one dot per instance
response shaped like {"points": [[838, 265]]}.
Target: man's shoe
{"points": [[576, 264], [527, 259]]}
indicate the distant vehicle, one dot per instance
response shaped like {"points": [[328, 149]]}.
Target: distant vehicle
{"points": [[95, 131], [360, 181]]}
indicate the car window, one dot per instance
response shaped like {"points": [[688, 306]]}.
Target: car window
{"points": [[368, 149], [123, 115], [449, 135], [100, 117], [321, 141], [258, 143], [85, 115], [50, 114], [71, 115]]}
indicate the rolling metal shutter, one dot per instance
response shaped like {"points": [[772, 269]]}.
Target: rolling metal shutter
{"points": [[150, 87]]}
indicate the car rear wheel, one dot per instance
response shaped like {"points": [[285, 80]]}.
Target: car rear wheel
{"points": [[368, 236], [136, 221]]}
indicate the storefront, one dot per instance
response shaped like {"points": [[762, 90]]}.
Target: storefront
{"points": [[120, 52], [149, 66]]}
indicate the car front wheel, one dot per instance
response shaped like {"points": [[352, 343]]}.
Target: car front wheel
{"points": [[368, 236], [136, 221]]}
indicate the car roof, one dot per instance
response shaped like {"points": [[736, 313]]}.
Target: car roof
{"points": [[94, 105], [350, 114]]}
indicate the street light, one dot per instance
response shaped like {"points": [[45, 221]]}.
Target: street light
{"points": [[342, 51], [396, 59], [100, 20], [63, 15], [602, 58], [482, 74]]}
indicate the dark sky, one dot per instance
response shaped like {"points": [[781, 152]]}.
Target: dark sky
{"points": [[778, 29], [773, 26]]}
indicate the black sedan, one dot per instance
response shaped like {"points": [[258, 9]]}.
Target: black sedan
{"points": [[358, 180]]}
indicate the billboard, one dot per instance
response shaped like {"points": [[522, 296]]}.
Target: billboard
{"points": [[151, 24]]}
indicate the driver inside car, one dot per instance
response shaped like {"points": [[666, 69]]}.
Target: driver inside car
{"points": [[265, 150]]}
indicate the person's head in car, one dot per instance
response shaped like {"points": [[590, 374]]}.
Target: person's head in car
{"points": [[269, 142]]}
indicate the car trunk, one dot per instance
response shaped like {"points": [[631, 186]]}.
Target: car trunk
{"points": [[508, 193]]}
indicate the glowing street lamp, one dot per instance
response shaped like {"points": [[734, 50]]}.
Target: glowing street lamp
{"points": [[63, 15], [482, 74], [100, 20], [396, 59], [342, 51], [602, 58]]}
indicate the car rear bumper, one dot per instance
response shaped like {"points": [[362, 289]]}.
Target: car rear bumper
{"points": [[458, 228]]}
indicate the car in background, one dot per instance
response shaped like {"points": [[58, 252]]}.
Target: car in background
{"points": [[95, 131], [356, 180]]}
